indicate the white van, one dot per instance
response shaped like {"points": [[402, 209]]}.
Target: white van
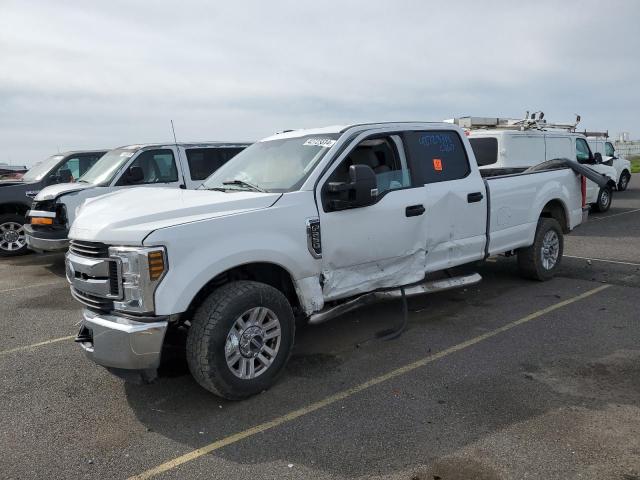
{"points": [[520, 149], [605, 148]]}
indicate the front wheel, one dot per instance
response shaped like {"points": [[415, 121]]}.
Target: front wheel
{"points": [[624, 181], [541, 260], [240, 339], [12, 237], [605, 195]]}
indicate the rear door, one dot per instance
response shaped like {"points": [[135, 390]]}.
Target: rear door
{"points": [[454, 197]]}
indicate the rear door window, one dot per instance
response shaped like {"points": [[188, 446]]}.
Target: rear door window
{"points": [[485, 150], [436, 156], [204, 161]]}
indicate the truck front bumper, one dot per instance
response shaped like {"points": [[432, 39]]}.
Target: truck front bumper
{"points": [[46, 241], [118, 342]]}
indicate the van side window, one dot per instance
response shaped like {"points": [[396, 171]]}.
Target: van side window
{"points": [[609, 151], [204, 161], [381, 154], [583, 154], [158, 166], [436, 156], [485, 150]]}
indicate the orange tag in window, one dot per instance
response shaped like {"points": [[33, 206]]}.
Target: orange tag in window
{"points": [[437, 164]]}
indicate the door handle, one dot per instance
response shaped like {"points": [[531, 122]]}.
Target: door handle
{"points": [[414, 210], [474, 197]]}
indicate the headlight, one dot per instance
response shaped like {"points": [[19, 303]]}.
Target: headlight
{"points": [[142, 269]]}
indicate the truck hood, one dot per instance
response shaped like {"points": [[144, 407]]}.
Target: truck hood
{"points": [[54, 191], [127, 216]]}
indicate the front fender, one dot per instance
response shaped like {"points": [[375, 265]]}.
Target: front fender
{"points": [[199, 251]]}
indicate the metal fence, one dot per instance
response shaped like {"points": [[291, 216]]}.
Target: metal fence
{"points": [[627, 148]]}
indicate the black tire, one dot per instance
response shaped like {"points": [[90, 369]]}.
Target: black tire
{"points": [[212, 324], [7, 248], [625, 178], [605, 197], [530, 259]]}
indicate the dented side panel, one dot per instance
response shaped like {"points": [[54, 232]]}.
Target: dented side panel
{"points": [[373, 247], [456, 228]]}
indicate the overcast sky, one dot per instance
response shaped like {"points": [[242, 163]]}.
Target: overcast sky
{"points": [[103, 74]]}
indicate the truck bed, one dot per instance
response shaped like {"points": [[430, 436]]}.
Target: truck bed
{"points": [[516, 201]]}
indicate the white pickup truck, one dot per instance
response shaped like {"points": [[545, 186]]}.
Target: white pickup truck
{"points": [[304, 224], [184, 165]]}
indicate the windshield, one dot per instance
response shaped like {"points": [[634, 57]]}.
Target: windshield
{"points": [[273, 165], [40, 169], [105, 169]]}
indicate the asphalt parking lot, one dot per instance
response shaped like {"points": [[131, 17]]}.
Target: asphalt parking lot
{"points": [[508, 379]]}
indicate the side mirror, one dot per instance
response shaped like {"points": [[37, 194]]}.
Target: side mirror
{"points": [[64, 176], [360, 191], [597, 157], [134, 174]]}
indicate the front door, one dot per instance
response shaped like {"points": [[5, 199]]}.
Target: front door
{"points": [[380, 245]]}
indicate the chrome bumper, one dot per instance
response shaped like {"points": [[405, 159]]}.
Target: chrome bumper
{"points": [[40, 243], [119, 342]]}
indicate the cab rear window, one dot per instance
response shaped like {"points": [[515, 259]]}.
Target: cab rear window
{"points": [[485, 150]]}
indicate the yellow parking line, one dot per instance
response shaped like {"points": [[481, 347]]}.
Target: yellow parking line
{"points": [[236, 437], [603, 260], [604, 217], [33, 345]]}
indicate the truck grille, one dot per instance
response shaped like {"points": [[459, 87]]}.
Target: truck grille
{"points": [[89, 249], [92, 301], [94, 277]]}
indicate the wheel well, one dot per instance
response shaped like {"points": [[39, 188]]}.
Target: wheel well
{"points": [[17, 208], [612, 184], [555, 209], [269, 273]]}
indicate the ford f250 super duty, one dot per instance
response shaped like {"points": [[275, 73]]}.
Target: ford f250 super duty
{"points": [[305, 224]]}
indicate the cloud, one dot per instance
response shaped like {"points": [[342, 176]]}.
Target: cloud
{"points": [[88, 74]]}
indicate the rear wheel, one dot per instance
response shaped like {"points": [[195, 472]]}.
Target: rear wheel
{"points": [[624, 181], [240, 339], [541, 260], [12, 236], [605, 196]]}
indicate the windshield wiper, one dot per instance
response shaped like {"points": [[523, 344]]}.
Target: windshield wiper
{"points": [[242, 183]]}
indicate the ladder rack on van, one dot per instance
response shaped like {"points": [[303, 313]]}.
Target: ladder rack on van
{"points": [[596, 134], [535, 121]]}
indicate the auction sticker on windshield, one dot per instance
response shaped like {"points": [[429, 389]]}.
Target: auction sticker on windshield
{"points": [[320, 142]]}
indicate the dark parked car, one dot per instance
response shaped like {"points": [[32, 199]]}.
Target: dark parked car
{"points": [[16, 195]]}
